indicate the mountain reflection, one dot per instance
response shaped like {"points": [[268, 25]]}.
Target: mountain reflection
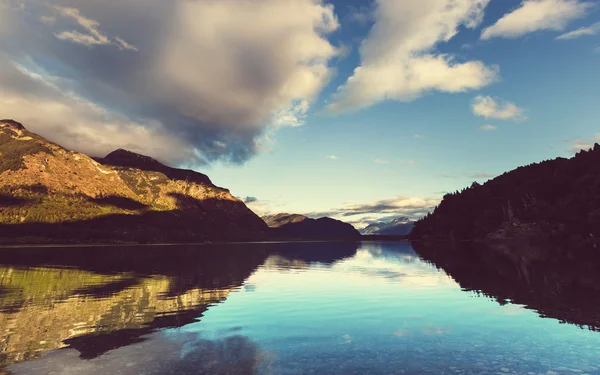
{"points": [[299, 255], [564, 285], [97, 299]]}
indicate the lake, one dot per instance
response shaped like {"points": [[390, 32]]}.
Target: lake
{"points": [[295, 308]]}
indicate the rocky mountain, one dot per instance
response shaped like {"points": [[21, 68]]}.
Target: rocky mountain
{"points": [[556, 198], [294, 226], [398, 227], [50, 194]]}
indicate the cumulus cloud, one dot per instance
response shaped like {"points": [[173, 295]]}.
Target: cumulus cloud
{"points": [[398, 58], [488, 127], [250, 199], [79, 124], [537, 15], [209, 76], [488, 107], [582, 31]]}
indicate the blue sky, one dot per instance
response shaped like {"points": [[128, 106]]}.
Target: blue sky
{"points": [[264, 96]]}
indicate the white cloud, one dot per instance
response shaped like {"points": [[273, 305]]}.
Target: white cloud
{"points": [[294, 115], [488, 107], [536, 15], [217, 76], [79, 124], [332, 157], [122, 44], [93, 36], [398, 58], [488, 127], [381, 161], [582, 31], [266, 68]]}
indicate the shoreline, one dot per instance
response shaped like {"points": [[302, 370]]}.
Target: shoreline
{"points": [[136, 244]]}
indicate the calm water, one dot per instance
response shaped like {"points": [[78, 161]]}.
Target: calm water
{"points": [[368, 308]]}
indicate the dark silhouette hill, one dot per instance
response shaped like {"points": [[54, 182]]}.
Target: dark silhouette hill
{"points": [[556, 198], [294, 226], [50, 194]]}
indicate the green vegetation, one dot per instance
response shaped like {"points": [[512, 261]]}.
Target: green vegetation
{"points": [[33, 204], [13, 150]]}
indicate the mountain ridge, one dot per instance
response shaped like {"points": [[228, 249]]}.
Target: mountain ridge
{"points": [[47, 189], [554, 198], [295, 226]]}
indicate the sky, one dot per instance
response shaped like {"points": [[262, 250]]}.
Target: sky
{"points": [[359, 110]]}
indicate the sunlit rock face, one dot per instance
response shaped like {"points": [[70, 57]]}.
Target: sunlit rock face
{"points": [[122, 197]]}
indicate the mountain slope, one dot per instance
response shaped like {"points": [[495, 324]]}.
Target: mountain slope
{"points": [[50, 193], [557, 198], [398, 227], [294, 226]]}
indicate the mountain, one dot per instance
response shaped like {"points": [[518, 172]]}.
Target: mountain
{"points": [[555, 198], [294, 226], [50, 194], [398, 227], [278, 220]]}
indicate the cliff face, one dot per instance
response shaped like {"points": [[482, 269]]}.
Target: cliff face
{"points": [[555, 198], [48, 193], [294, 226]]}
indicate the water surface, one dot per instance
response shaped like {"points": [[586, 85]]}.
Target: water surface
{"points": [[313, 308]]}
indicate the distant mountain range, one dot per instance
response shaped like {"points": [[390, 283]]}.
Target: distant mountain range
{"points": [[398, 227], [294, 226], [556, 199]]}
